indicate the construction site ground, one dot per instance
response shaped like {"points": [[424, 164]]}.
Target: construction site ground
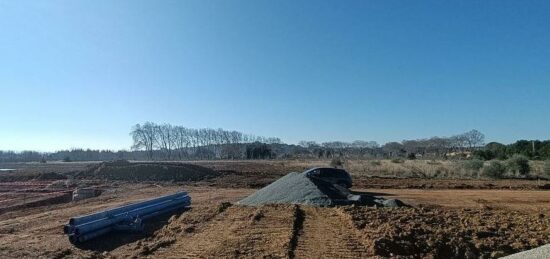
{"points": [[447, 218]]}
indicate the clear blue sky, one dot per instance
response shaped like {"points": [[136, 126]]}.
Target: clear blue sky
{"points": [[81, 73]]}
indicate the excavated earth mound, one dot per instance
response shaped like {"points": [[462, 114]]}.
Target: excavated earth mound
{"points": [[148, 172]]}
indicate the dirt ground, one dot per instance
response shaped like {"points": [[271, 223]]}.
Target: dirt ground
{"points": [[486, 219]]}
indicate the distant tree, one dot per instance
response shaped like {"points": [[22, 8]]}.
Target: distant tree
{"points": [[144, 137], [364, 144], [497, 150], [521, 147], [258, 151], [458, 142], [165, 139], [308, 144], [414, 146], [474, 138], [393, 149], [438, 145], [544, 150], [273, 141]]}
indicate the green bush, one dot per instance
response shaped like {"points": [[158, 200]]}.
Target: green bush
{"points": [[519, 165], [411, 156], [483, 154], [494, 170], [472, 165]]}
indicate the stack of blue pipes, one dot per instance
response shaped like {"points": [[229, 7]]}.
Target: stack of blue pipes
{"points": [[128, 217]]}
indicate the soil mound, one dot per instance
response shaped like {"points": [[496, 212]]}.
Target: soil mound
{"points": [[51, 176], [297, 188], [149, 172]]}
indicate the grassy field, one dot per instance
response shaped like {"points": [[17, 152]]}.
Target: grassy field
{"points": [[426, 168], [395, 168]]}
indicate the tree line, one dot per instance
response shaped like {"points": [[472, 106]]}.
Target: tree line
{"points": [[178, 142], [532, 149], [152, 141], [434, 147]]}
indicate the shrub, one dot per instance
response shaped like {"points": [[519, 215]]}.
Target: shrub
{"points": [[546, 169], [519, 165], [495, 170], [484, 154], [411, 156], [472, 165], [398, 161], [376, 162], [67, 159], [337, 162]]}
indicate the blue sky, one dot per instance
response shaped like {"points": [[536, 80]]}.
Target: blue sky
{"points": [[81, 73]]}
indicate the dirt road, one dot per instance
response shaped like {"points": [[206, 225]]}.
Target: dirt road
{"points": [[533, 201]]}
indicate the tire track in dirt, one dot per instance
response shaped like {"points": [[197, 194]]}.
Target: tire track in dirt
{"points": [[245, 232], [324, 236], [297, 226]]}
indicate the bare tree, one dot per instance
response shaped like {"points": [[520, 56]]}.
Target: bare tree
{"points": [[181, 141], [474, 138], [168, 142], [308, 144], [393, 148], [458, 142], [144, 137]]}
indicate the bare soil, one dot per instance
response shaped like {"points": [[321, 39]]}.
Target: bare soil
{"points": [[445, 221], [256, 174], [147, 172], [455, 226]]}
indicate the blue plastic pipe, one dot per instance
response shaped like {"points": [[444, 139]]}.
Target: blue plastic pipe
{"points": [[129, 215], [106, 213]]}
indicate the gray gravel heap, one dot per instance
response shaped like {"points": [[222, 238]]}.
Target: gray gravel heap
{"points": [[542, 252], [297, 188]]}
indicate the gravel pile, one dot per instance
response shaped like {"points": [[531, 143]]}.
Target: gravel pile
{"points": [[297, 188], [536, 253]]}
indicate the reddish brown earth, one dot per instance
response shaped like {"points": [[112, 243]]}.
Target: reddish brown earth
{"points": [[487, 219], [450, 223]]}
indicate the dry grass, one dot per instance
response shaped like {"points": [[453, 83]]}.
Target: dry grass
{"points": [[407, 168], [445, 169]]}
